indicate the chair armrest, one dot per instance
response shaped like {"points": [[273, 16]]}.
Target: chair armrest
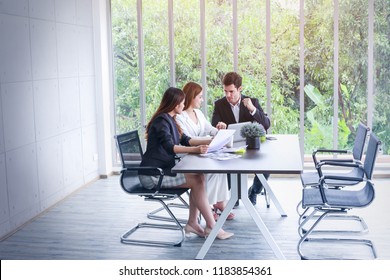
{"points": [[342, 164], [157, 170], [177, 158], [336, 163], [330, 151], [131, 164], [343, 178], [342, 161], [336, 160], [322, 150]]}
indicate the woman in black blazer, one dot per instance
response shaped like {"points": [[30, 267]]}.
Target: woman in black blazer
{"points": [[164, 140]]}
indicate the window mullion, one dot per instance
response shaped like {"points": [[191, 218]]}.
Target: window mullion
{"points": [[335, 73]]}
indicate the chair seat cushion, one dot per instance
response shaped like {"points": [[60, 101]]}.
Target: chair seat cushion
{"points": [[338, 198], [132, 185]]}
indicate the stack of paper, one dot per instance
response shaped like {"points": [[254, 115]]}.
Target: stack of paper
{"points": [[223, 137]]}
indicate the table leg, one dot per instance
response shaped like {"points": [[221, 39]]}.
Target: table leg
{"points": [[236, 191], [271, 194], [258, 220], [221, 220]]}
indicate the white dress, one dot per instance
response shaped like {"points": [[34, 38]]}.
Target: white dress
{"points": [[217, 184]]}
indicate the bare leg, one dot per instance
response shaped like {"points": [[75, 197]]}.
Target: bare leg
{"points": [[193, 215], [198, 198], [220, 205]]}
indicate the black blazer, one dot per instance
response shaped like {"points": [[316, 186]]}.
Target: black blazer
{"points": [[162, 136], [223, 113]]}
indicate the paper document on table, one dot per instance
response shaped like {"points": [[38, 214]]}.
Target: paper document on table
{"points": [[220, 140], [240, 149], [221, 155]]}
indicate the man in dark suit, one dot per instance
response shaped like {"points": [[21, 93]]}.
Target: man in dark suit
{"points": [[235, 107]]}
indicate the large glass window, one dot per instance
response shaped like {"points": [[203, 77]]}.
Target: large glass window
{"points": [[353, 58], [125, 60], [219, 47], [187, 42], [319, 52], [284, 52], [336, 61], [156, 52], [251, 18], [381, 120]]}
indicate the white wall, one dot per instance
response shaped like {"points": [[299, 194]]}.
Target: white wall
{"points": [[48, 101]]}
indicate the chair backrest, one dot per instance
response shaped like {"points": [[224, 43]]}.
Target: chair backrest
{"points": [[360, 139], [129, 147], [372, 151]]}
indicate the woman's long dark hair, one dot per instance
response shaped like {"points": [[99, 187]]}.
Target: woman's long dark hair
{"points": [[171, 98]]}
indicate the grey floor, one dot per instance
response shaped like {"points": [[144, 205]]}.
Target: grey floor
{"points": [[87, 226]]}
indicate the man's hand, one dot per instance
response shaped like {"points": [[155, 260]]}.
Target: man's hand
{"points": [[221, 125], [248, 104]]}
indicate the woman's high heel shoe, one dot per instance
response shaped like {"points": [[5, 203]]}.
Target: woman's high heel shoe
{"points": [[221, 234], [189, 229]]}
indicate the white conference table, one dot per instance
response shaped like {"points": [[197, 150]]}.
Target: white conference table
{"points": [[280, 156]]}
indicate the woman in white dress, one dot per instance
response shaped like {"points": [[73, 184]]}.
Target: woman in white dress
{"points": [[194, 124]]}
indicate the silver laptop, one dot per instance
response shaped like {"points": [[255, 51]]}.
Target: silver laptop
{"points": [[237, 128]]}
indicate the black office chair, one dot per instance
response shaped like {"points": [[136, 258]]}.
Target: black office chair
{"points": [[336, 202], [312, 178], [130, 149], [333, 201], [341, 180]]}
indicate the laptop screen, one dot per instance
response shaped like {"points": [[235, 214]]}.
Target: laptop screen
{"points": [[237, 128]]}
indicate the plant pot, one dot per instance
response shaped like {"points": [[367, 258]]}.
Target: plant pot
{"points": [[253, 143]]}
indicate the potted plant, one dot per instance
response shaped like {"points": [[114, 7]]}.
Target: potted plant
{"points": [[253, 133]]}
